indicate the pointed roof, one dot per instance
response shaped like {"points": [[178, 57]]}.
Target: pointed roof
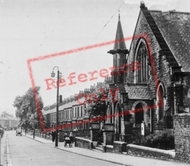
{"points": [[119, 44], [119, 38]]}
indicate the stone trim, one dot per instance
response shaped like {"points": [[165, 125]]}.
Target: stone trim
{"points": [[148, 152]]}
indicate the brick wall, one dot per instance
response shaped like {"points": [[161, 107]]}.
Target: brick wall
{"points": [[182, 137]]}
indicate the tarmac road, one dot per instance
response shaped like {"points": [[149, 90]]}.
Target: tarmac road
{"points": [[24, 151]]}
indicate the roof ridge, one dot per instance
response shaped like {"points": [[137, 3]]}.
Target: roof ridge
{"points": [[169, 11]]}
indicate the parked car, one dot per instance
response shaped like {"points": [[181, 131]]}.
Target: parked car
{"points": [[19, 131]]}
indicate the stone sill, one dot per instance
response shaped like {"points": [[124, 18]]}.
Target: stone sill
{"points": [[119, 142], [109, 146], [182, 114], [83, 139]]}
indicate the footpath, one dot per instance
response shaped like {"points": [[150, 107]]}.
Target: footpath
{"points": [[111, 157]]}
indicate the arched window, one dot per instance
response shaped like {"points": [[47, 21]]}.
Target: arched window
{"points": [[142, 73]]}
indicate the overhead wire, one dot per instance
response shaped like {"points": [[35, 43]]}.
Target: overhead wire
{"points": [[81, 55], [82, 52]]}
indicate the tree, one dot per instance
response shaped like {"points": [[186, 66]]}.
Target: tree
{"points": [[96, 104], [29, 108]]}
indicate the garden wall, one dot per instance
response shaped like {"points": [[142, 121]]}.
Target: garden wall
{"points": [[143, 151], [83, 143]]}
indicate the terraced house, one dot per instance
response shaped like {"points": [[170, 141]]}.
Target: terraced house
{"points": [[157, 85]]}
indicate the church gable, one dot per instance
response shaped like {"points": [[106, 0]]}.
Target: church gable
{"points": [[142, 31], [160, 45], [157, 59]]}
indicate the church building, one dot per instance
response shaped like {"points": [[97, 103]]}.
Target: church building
{"points": [[152, 76]]}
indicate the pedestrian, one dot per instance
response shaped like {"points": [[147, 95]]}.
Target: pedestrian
{"points": [[67, 140], [71, 138], [53, 135]]}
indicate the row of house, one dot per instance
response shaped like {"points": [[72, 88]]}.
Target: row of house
{"points": [[158, 85], [72, 110]]}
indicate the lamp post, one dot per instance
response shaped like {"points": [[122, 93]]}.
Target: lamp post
{"points": [[57, 107]]}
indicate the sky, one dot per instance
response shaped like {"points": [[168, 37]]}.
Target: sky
{"points": [[35, 28]]}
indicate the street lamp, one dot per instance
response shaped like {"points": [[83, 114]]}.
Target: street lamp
{"points": [[57, 108]]}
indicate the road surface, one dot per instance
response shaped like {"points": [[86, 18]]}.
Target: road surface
{"points": [[24, 151]]}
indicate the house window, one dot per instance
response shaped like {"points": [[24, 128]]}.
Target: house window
{"points": [[143, 70], [80, 111], [74, 114], [65, 115], [54, 117], [69, 112], [77, 111]]}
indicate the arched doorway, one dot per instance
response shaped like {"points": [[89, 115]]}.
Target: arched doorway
{"points": [[139, 114]]}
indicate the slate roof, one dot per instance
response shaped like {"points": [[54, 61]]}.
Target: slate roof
{"points": [[175, 28], [138, 91], [172, 31]]}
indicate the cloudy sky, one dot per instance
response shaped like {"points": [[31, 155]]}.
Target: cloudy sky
{"points": [[35, 28]]}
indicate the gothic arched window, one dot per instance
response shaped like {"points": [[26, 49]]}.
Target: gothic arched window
{"points": [[142, 73]]}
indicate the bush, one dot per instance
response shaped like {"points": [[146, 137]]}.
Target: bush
{"points": [[160, 140]]}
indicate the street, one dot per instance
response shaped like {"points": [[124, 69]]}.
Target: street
{"points": [[26, 151]]}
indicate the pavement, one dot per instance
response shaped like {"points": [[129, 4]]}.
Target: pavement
{"points": [[2, 150], [121, 159]]}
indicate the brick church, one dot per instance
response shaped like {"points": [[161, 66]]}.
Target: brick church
{"points": [[158, 88]]}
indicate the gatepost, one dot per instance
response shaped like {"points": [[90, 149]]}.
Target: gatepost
{"points": [[94, 128], [108, 135]]}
